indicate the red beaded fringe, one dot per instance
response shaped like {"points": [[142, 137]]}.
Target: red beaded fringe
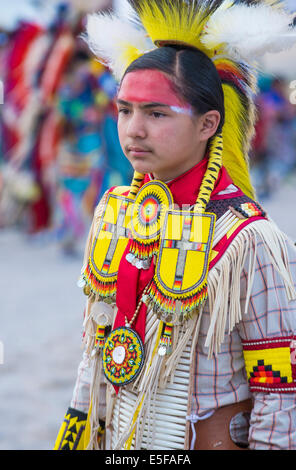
{"points": [[143, 250], [162, 303], [99, 286]]}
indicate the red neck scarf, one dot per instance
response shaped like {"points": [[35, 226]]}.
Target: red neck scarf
{"points": [[132, 281]]}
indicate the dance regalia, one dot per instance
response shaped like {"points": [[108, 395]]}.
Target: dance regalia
{"points": [[190, 316], [241, 229]]}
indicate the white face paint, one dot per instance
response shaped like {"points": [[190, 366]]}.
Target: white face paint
{"points": [[179, 110]]}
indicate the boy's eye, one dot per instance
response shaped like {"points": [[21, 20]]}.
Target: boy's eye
{"points": [[123, 110], [154, 114], [157, 114]]}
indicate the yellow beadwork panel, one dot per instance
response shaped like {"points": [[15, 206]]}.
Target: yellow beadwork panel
{"points": [[183, 259], [173, 228], [201, 227], [168, 266], [111, 239], [194, 259]]}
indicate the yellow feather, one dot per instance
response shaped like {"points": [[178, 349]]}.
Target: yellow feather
{"points": [[130, 54], [173, 23], [234, 158]]}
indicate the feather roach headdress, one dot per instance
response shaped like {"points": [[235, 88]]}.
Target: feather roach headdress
{"points": [[233, 33]]}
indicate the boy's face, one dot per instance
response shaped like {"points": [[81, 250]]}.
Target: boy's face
{"points": [[158, 132]]}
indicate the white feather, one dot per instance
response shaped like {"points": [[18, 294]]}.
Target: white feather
{"points": [[248, 32], [108, 37]]}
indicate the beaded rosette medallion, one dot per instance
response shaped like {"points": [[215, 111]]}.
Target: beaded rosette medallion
{"points": [[148, 213], [123, 356]]}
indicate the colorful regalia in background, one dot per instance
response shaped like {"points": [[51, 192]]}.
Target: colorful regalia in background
{"points": [[59, 146], [90, 158]]}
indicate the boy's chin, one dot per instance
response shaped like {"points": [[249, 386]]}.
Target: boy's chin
{"points": [[142, 168]]}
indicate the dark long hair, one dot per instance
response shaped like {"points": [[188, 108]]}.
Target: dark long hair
{"points": [[192, 73]]}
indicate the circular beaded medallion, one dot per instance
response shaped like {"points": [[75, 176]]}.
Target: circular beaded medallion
{"points": [[123, 356], [149, 210]]}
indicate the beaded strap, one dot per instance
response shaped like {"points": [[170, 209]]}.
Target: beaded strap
{"points": [[136, 184], [211, 175]]}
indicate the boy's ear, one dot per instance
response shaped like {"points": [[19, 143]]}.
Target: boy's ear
{"points": [[209, 124]]}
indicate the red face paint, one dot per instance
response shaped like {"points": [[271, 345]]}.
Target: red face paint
{"points": [[150, 86]]}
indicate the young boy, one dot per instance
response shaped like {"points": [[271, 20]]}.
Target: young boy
{"points": [[190, 316]]}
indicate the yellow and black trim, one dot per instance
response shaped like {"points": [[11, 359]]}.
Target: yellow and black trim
{"points": [[71, 433]]}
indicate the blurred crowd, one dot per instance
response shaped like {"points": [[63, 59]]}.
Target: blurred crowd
{"points": [[273, 156], [59, 146]]}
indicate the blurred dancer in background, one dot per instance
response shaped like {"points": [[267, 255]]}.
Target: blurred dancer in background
{"points": [[274, 149], [89, 158], [59, 147]]}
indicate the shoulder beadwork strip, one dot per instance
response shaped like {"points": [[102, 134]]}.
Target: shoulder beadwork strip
{"points": [[250, 209]]}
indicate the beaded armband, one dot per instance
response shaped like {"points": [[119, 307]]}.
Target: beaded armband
{"points": [[271, 364]]}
